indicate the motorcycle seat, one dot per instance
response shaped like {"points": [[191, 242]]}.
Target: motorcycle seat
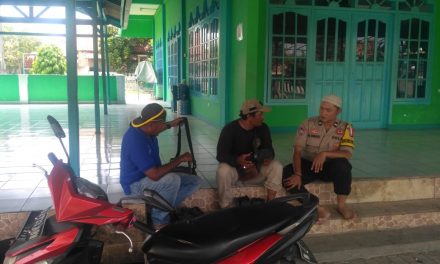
{"points": [[210, 237]]}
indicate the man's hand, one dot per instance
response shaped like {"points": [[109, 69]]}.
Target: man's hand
{"points": [[249, 173], [176, 122], [318, 162], [185, 157], [245, 161], [292, 181], [266, 162]]}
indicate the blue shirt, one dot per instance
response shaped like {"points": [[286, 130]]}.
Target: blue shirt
{"points": [[139, 152]]}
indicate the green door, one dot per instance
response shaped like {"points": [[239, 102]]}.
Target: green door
{"points": [[370, 70], [350, 61], [330, 64]]}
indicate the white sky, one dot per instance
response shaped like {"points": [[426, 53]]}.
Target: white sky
{"points": [[52, 12]]}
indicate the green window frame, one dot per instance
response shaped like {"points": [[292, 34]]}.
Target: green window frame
{"points": [[413, 62], [413, 48], [288, 51], [158, 58], [204, 39], [173, 58]]}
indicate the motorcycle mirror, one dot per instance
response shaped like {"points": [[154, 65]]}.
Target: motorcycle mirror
{"points": [[59, 133], [56, 127]]}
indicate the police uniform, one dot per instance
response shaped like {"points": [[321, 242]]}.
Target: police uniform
{"points": [[313, 138]]}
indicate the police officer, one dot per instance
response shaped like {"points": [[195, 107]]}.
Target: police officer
{"points": [[323, 145]]}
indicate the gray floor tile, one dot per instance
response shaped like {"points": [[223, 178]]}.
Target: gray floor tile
{"points": [[11, 205], [37, 203]]}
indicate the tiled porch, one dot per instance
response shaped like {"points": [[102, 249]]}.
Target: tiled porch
{"points": [[26, 138]]}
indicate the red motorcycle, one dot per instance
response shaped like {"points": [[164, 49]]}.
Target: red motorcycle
{"points": [[261, 233]]}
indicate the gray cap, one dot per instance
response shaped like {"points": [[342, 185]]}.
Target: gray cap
{"points": [[151, 112]]}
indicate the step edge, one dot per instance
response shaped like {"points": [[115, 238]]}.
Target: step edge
{"points": [[371, 252]]}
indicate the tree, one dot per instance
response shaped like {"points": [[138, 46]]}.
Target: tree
{"points": [[14, 48], [123, 51], [50, 60]]}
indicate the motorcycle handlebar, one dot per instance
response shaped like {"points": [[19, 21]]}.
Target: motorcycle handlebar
{"points": [[53, 158]]}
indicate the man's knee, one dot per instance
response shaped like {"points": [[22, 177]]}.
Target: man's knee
{"points": [[340, 165], [171, 178], [274, 176], [224, 170]]}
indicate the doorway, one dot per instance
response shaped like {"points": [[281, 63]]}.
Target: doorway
{"points": [[351, 59]]}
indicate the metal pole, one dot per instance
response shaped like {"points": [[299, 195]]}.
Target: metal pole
{"points": [[72, 86], [96, 78], [104, 83], [107, 63]]}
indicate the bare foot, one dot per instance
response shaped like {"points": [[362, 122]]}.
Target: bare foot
{"points": [[346, 213], [323, 215]]}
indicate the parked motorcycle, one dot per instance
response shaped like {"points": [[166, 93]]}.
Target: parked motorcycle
{"points": [[261, 233]]}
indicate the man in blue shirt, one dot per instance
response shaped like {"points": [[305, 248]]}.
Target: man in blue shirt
{"points": [[142, 168]]}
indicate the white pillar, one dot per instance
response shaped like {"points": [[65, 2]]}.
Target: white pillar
{"points": [[23, 88]]}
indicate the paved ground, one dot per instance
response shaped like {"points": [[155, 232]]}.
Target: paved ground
{"points": [[422, 257], [395, 246]]}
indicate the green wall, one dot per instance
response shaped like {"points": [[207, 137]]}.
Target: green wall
{"points": [[248, 65], [243, 67], [207, 108], [158, 31], [9, 90], [172, 19], [53, 88], [139, 27], [423, 114]]}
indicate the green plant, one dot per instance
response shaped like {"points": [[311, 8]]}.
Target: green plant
{"points": [[14, 48], [123, 52], [50, 60]]}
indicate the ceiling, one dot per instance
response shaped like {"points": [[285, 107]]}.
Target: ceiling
{"points": [[143, 9]]}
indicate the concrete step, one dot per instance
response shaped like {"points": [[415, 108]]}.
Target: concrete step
{"points": [[359, 246], [382, 189], [363, 191], [375, 201], [382, 216]]}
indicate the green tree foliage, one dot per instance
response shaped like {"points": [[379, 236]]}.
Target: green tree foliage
{"points": [[123, 51], [14, 48], [50, 60]]}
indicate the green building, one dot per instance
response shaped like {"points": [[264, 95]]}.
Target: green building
{"points": [[380, 56]]}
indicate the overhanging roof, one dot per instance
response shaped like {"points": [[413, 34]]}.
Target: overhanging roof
{"points": [[121, 10], [115, 12]]}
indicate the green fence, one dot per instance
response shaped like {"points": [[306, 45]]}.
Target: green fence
{"points": [[9, 90], [53, 89]]}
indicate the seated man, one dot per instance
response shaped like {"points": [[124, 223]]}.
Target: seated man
{"points": [[142, 168], [323, 145], [245, 153]]}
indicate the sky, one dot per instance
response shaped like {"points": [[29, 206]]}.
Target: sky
{"points": [[52, 12]]}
